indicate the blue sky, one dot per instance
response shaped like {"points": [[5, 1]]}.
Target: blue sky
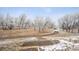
{"points": [[54, 12]]}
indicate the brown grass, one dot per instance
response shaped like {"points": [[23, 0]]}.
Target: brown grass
{"points": [[20, 33]]}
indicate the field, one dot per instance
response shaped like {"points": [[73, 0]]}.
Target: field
{"points": [[20, 33], [35, 29], [17, 33], [30, 40]]}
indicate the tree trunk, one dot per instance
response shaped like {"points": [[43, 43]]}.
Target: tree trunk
{"points": [[39, 29], [72, 30], [78, 30]]}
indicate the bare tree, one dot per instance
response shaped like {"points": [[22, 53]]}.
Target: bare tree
{"points": [[27, 24], [70, 22], [38, 23], [42, 23], [48, 23], [77, 21], [1, 21], [8, 22], [21, 21], [67, 23]]}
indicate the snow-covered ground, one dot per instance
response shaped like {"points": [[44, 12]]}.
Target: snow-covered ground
{"points": [[66, 44], [13, 41]]}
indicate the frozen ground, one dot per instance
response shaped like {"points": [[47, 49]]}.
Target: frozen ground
{"points": [[65, 43]]}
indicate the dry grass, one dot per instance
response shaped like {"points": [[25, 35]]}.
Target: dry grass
{"points": [[62, 34], [20, 33]]}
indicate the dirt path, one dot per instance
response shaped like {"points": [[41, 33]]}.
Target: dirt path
{"points": [[25, 36]]}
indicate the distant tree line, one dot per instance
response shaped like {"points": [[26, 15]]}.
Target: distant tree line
{"points": [[8, 22], [69, 23]]}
